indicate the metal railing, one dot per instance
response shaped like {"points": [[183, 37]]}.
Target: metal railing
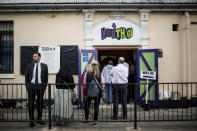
{"points": [[165, 102]]}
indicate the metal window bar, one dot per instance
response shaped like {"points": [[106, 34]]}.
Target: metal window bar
{"points": [[168, 97], [177, 103], [6, 47], [182, 96], [7, 99], [191, 102], [16, 98], [196, 99]]}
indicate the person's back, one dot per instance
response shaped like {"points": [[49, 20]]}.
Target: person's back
{"points": [[108, 78], [106, 73], [97, 76], [59, 82], [119, 80], [132, 69], [126, 64], [120, 74], [92, 86], [64, 78], [63, 103], [90, 76]]}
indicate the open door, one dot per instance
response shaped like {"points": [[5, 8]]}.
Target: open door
{"points": [[85, 57], [147, 61]]}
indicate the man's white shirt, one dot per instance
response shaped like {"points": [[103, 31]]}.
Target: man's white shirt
{"points": [[34, 73], [120, 74]]}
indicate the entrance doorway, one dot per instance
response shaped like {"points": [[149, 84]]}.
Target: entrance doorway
{"points": [[113, 54]]}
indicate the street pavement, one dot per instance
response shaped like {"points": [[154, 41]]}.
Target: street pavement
{"points": [[104, 126]]}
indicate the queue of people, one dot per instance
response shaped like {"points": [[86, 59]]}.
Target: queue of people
{"points": [[112, 80]]}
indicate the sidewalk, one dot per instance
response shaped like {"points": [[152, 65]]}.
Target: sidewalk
{"points": [[109, 126]]}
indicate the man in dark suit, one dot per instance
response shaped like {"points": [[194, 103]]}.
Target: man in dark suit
{"points": [[36, 78]]}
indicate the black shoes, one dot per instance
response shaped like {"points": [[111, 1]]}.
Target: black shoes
{"points": [[124, 117], [95, 123], [31, 124], [40, 122], [37, 121], [114, 118], [84, 122]]}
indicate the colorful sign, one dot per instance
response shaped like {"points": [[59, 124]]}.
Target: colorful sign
{"points": [[119, 33], [85, 57], [116, 32]]}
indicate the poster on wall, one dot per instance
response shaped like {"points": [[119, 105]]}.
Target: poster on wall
{"points": [[50, 55], [85, 57]]}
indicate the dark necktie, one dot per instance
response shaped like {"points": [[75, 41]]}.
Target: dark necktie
{"points": [[36, 81]]}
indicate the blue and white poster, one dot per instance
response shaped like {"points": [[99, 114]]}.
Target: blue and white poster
{"points": [[85, 57]]}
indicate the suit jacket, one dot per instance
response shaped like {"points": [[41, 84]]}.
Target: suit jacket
{"points": [[29, 74]]}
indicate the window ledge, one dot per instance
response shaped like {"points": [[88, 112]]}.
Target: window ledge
{"points": [[7, 76]]}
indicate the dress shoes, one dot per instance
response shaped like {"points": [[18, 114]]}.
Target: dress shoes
{"points": [[40, 122], [31, 124]]}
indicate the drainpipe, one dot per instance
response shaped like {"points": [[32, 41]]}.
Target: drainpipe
{"points": [[187, 29]]}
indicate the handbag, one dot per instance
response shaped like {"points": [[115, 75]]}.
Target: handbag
{"points": [[100, 88], [73, 94]]}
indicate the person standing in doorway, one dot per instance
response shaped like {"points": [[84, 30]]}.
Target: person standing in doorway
{"points": [[120, 80], [126, 64], [107, 77], [36, 79], [131, 79]]}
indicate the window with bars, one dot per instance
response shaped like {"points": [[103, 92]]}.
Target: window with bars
{"points": [[6, 47]]}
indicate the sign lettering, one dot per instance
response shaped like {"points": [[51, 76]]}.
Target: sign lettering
{"points": [[120, 33], [151, 75]]}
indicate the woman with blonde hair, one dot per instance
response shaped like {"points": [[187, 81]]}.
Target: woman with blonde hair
{"points": [[88, 69], [93, 91]]}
